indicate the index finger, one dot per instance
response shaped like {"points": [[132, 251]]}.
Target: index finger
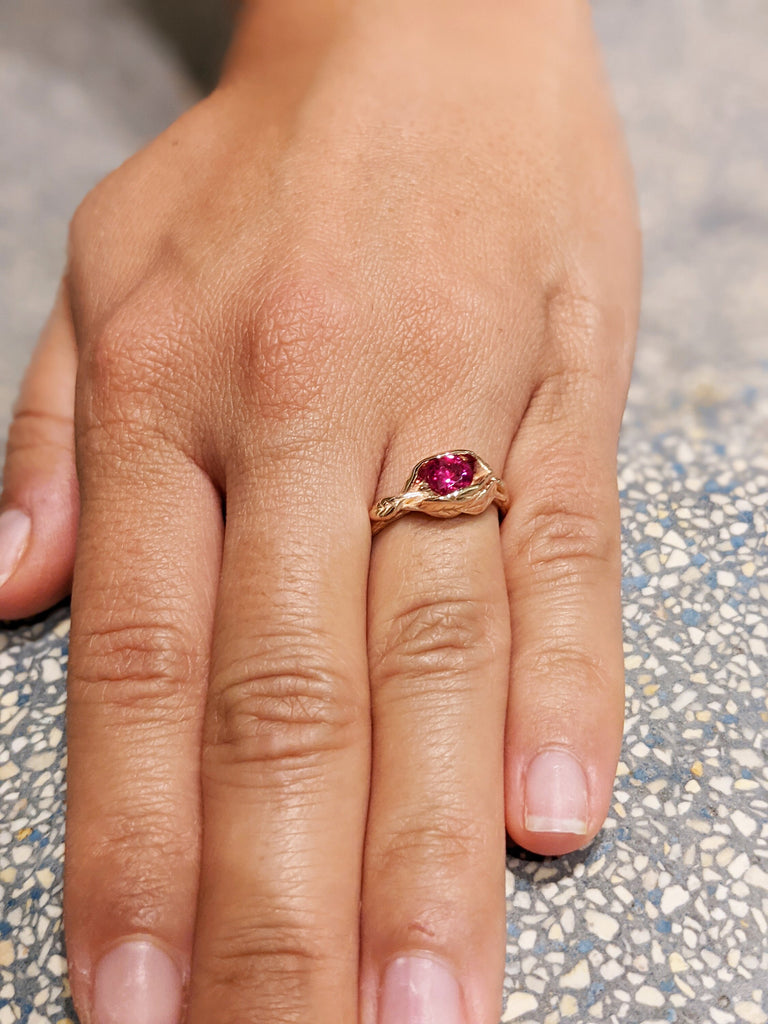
{"points": [[142, 606]]}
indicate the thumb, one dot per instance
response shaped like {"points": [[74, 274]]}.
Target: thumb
{"points": [[39, 502]]}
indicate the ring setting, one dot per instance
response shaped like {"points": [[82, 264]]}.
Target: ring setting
{"points": [[445, 485]]}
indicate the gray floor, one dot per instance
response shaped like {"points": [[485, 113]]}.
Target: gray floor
{"points": [[665, 917]]}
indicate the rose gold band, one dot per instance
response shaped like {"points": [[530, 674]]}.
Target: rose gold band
{"points": [[445, 485]]}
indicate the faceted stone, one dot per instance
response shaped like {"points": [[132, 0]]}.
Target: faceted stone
{"points": [[448, 473]]}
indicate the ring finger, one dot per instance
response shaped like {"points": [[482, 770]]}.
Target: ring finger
{"points": [[433, 893]]}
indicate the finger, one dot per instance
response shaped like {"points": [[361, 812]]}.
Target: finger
{"points": [[39, 504], [142, 612], [287, 748], [562, 556], [433, 896]]}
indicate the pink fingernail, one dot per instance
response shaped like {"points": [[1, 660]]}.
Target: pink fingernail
{"points": [[556, 794], [419, 990], [15, 526], [137, 983]]}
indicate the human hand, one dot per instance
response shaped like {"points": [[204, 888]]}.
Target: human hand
{"points": [[389, 233]]}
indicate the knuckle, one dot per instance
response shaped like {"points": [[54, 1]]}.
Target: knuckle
{"points": [[138, 383], [282, 709], [128, 357], [587, 367], [433, 305], [283, 950], [567, 387], [33, 430], [122, 854], [428, 308], [561, 665], [569, 382], [442, 641], [294, 336], [451, 840], [125, 836], [572, 317], [561, 540], [283, 957], [131, 848], [142, 672]]}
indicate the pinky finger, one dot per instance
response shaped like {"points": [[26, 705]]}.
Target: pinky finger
{"points": [[39, 502]]}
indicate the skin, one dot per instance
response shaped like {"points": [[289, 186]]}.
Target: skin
{"points": [[393, 229]]}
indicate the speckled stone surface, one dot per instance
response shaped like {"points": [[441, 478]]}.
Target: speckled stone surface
{"points": [[665, 917]]}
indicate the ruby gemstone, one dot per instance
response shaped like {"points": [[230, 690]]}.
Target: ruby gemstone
{"points": [[448, 473]]}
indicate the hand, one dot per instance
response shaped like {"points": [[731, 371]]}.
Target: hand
{"points": [[393, 230]]}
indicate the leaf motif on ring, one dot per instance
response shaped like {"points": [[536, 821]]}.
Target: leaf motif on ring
{"points": [[387, 506]]}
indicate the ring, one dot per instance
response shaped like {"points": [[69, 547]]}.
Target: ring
{"points": [[446, 485]]}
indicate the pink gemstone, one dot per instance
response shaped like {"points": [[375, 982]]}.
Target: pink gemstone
{"points": [[448, 473]]}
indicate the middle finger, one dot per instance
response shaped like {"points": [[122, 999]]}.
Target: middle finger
{"points": [[287, 748]]}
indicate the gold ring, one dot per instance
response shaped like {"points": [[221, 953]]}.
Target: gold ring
{"points": [[446, 485]]}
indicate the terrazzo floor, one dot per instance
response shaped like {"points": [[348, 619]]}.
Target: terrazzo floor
{"points": [[665, 917]]}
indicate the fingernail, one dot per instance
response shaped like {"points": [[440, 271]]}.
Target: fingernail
{"points": [[556, 794], [137, 983], [419, 990], [14, 534]]}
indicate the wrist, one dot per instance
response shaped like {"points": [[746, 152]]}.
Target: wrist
{"points": [[280, 30], [292, 32]]}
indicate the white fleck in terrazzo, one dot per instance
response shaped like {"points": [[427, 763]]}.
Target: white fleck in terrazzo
{"points": [[32, 763]]}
